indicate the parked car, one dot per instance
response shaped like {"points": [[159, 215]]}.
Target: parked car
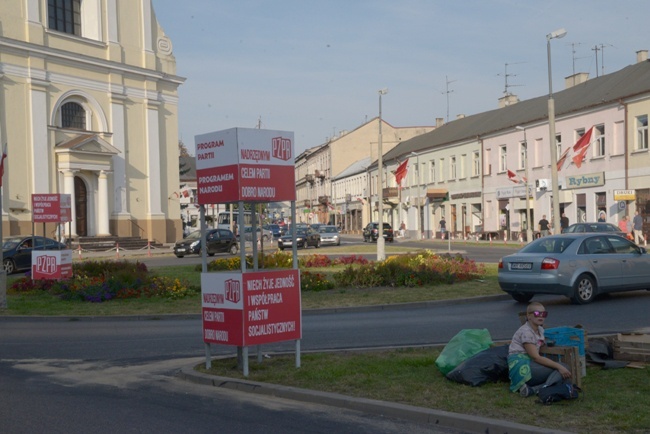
{"points": [[596, 227], [329, 235], [371, 232], [217, 240], [17, 251], [577, 265], [276, 230], [264, 234], [305, 237]]}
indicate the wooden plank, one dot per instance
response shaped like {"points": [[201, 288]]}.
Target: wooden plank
{"points": [[570, 356]]}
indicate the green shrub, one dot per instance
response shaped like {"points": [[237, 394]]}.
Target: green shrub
{"points": [[314, 282]]}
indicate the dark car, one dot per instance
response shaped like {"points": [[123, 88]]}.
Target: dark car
{"points": [[578, 228], [276, 230], [371, 232], [305, 237], [217, 240], [17, 251], [578, 265]]}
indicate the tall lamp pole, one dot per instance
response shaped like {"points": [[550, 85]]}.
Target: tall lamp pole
{"points": [[529, 230], [381, 253], [417, 168], [557, 34]]}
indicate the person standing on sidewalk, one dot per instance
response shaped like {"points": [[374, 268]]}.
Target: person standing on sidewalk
{"points": [[443, 227], [637, 227], [543, 226]]}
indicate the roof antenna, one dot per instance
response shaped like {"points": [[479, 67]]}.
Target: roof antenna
{"points": [[506, 89], [447, 92]]}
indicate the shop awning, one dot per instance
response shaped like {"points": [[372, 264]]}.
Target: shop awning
{"points": [[437, 193]]}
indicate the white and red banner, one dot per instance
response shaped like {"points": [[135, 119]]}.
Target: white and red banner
{"points": [[252, 308], [51, 208], [245, 164], [400, 173], [51, 264], [579, 150]]}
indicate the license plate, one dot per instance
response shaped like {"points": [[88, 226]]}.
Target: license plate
{"points": [[180, 250], [521, 266]]}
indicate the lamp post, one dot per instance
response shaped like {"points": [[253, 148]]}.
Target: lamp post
{"points": [[381, 255], [417, 168], [529, 231], [557, 34]]}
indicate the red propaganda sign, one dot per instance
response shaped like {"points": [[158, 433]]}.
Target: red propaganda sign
{"points": [[251, 308], [244, 164], [51, 208], [51, 264]]}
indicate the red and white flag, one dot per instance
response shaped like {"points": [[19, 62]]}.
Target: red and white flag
{"points": [[579, 150], [515, 178], [400, 173]]}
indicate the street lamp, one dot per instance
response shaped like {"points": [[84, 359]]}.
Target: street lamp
{"points": [[529, 231], [381, 255], [557, 34], [417, 168]]}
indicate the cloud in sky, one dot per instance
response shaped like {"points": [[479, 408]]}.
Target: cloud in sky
{"points": [[315, 67]]}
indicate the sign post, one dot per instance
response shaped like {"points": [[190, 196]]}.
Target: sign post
{"points": [[51, 264], [241, 165]]}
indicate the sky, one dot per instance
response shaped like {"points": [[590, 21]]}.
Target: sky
{"points": [[315, 67]]}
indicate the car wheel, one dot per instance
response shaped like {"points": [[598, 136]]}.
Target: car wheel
{"points": [[10, 266], [177, 255], [318, 244], [521, 297], [210, 254], [584, 290], [281, 248], [233, 249]]}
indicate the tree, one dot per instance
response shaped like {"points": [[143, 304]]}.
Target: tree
{"points": [[182, 164]]}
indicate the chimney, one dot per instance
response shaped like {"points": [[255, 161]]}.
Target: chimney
{"points": [[440, 122], [575, 79], [641, 56], [508, 99], [460, 116]]}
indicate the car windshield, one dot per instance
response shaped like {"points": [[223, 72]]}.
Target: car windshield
{"points": [[548, 245], [328, 230], [196, 235]]}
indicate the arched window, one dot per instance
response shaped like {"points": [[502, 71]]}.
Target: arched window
{"points": [[65, 16], [73, 116]]}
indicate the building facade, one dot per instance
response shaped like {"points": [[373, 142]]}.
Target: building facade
{"points": [[89, 107]]}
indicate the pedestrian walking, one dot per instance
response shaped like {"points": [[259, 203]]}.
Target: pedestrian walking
{"points": [[637, 227]]}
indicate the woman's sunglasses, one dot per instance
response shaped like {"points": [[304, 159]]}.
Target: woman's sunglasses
{"points": [[538, 314]]}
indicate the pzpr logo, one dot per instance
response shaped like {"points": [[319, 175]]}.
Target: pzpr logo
{"points": [[281, 148], [46, 264], [233, 290]]}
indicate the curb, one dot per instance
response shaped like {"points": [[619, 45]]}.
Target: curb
{"points": [[371, 406]]}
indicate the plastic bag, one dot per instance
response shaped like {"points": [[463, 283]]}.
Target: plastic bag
{"points": [[461, 347]]}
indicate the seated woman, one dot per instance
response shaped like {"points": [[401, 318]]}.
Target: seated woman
{"points": [[530, 371]]}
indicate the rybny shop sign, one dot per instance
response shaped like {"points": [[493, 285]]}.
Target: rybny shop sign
{"points": [[585, 181]]}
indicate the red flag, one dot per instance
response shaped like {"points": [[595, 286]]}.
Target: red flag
{"points": [[2, 163], [560, 162], [581, 147], [401, 172], [513, 177]]}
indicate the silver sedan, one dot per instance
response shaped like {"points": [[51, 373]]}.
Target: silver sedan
{"points": [[329, 235], [579, 266]]}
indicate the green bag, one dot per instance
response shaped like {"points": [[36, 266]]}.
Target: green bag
{"points": [[467, 343]]}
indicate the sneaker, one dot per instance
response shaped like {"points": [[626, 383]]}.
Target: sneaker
{"points": [[526, 391]]}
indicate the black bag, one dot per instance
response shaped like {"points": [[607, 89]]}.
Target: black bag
{"points": [[558, 392]]}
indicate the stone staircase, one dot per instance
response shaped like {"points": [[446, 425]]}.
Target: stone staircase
{"points": [[102, 244]]}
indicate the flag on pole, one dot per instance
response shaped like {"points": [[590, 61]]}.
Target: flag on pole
{"points": [[578, 151], [513, 177], [2, 162], [401, 172], [581, 147]]}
